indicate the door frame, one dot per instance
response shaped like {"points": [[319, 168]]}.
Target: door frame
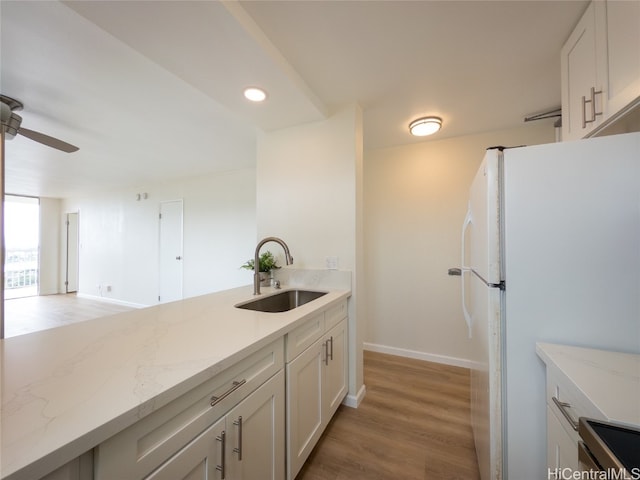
{"points": [[71, 242]]}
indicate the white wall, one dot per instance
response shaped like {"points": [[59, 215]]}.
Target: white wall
{"points": [[49, 246], [119, 236], [415, 201], [308, 181], [306, 190]]}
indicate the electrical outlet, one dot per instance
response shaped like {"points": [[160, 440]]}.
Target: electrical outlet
{"points": [[331, 263], [108, 288]]}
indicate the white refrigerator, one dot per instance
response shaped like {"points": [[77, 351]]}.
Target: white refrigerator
{"points": [[550, 253]]}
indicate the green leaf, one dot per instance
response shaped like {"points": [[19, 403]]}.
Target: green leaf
{"points": [[267, 263]]}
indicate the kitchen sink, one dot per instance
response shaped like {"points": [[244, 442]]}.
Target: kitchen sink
{"points": [[281, 302]]}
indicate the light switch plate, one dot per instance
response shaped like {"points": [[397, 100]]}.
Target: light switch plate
{"points": [[331, 263]]}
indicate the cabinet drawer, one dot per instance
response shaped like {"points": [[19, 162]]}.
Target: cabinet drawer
{"points": [[573, 403], [299, 339], [142, 447], [336, 313]]}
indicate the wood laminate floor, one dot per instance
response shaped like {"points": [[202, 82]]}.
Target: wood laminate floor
{"points": [[31, 314], [412, 424]]}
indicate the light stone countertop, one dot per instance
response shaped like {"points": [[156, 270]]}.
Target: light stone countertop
{"points": [[67, 389], [611, 380]]}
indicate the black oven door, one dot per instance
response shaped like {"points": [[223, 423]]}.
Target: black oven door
{"points": [[608, 446], [587, 461]]}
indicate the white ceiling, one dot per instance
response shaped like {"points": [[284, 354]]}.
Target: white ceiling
{"points": [[151, 90]]}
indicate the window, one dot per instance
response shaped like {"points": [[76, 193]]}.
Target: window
{"points": [[22, 233]]}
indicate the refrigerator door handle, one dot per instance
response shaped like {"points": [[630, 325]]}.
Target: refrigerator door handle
{"points": [[467, 315], [464, 269], [500, 285]]}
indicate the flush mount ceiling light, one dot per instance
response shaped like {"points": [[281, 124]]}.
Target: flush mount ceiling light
{"points": [[425, 126], [255, 94]]}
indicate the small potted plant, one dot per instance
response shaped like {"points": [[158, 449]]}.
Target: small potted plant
{"points": [[267, 263]]}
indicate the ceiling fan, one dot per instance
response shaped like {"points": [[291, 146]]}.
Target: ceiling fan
{"points": [[11, 125]]}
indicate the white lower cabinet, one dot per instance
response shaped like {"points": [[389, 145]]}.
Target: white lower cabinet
{"points": [[235, 426], [256, 442], [316, 386], [199, 460], [566, 403], [304, 406], [247, 444], [335, 371], [562, 450], [241, 410]]}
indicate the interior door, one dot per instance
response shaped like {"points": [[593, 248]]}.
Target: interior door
{"points": [[170, 220], [71, 281]]}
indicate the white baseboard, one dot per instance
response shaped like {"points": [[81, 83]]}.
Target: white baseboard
{"points": [[354, 401], [111, 300], [429, 357], [44, 293]]}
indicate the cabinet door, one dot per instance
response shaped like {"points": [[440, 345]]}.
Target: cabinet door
{"points": [[304, 405], [255, 434], [335, 370], [580, 62], [199, 460], [623, 53], [562, 450]]}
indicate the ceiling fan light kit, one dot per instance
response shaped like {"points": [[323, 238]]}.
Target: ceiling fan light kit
{"points": [[10, 121], [11, 124]]}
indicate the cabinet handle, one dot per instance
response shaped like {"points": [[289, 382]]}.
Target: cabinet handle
{"points": [[592, 101], [223, 452], [326, 352], [562, 406], [331, 354], [234, 386], [239, 449], [594, 114]]}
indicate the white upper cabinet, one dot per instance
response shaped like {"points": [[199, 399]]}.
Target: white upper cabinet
{"points": [[600, 65], [583, 76], [623, 54]]}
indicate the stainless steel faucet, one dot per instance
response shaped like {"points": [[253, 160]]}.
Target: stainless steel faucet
{"points": [[256, 261]]}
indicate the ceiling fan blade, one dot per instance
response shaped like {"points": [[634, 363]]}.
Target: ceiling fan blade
{"points": [[47, 140]]}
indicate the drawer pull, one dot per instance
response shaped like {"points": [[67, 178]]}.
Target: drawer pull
{"points": [[223, 453], [234, 386], [238, 450], [562, 406]]}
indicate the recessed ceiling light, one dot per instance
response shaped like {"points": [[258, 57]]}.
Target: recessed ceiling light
{"points": [[425, 126], [255, 94]]}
